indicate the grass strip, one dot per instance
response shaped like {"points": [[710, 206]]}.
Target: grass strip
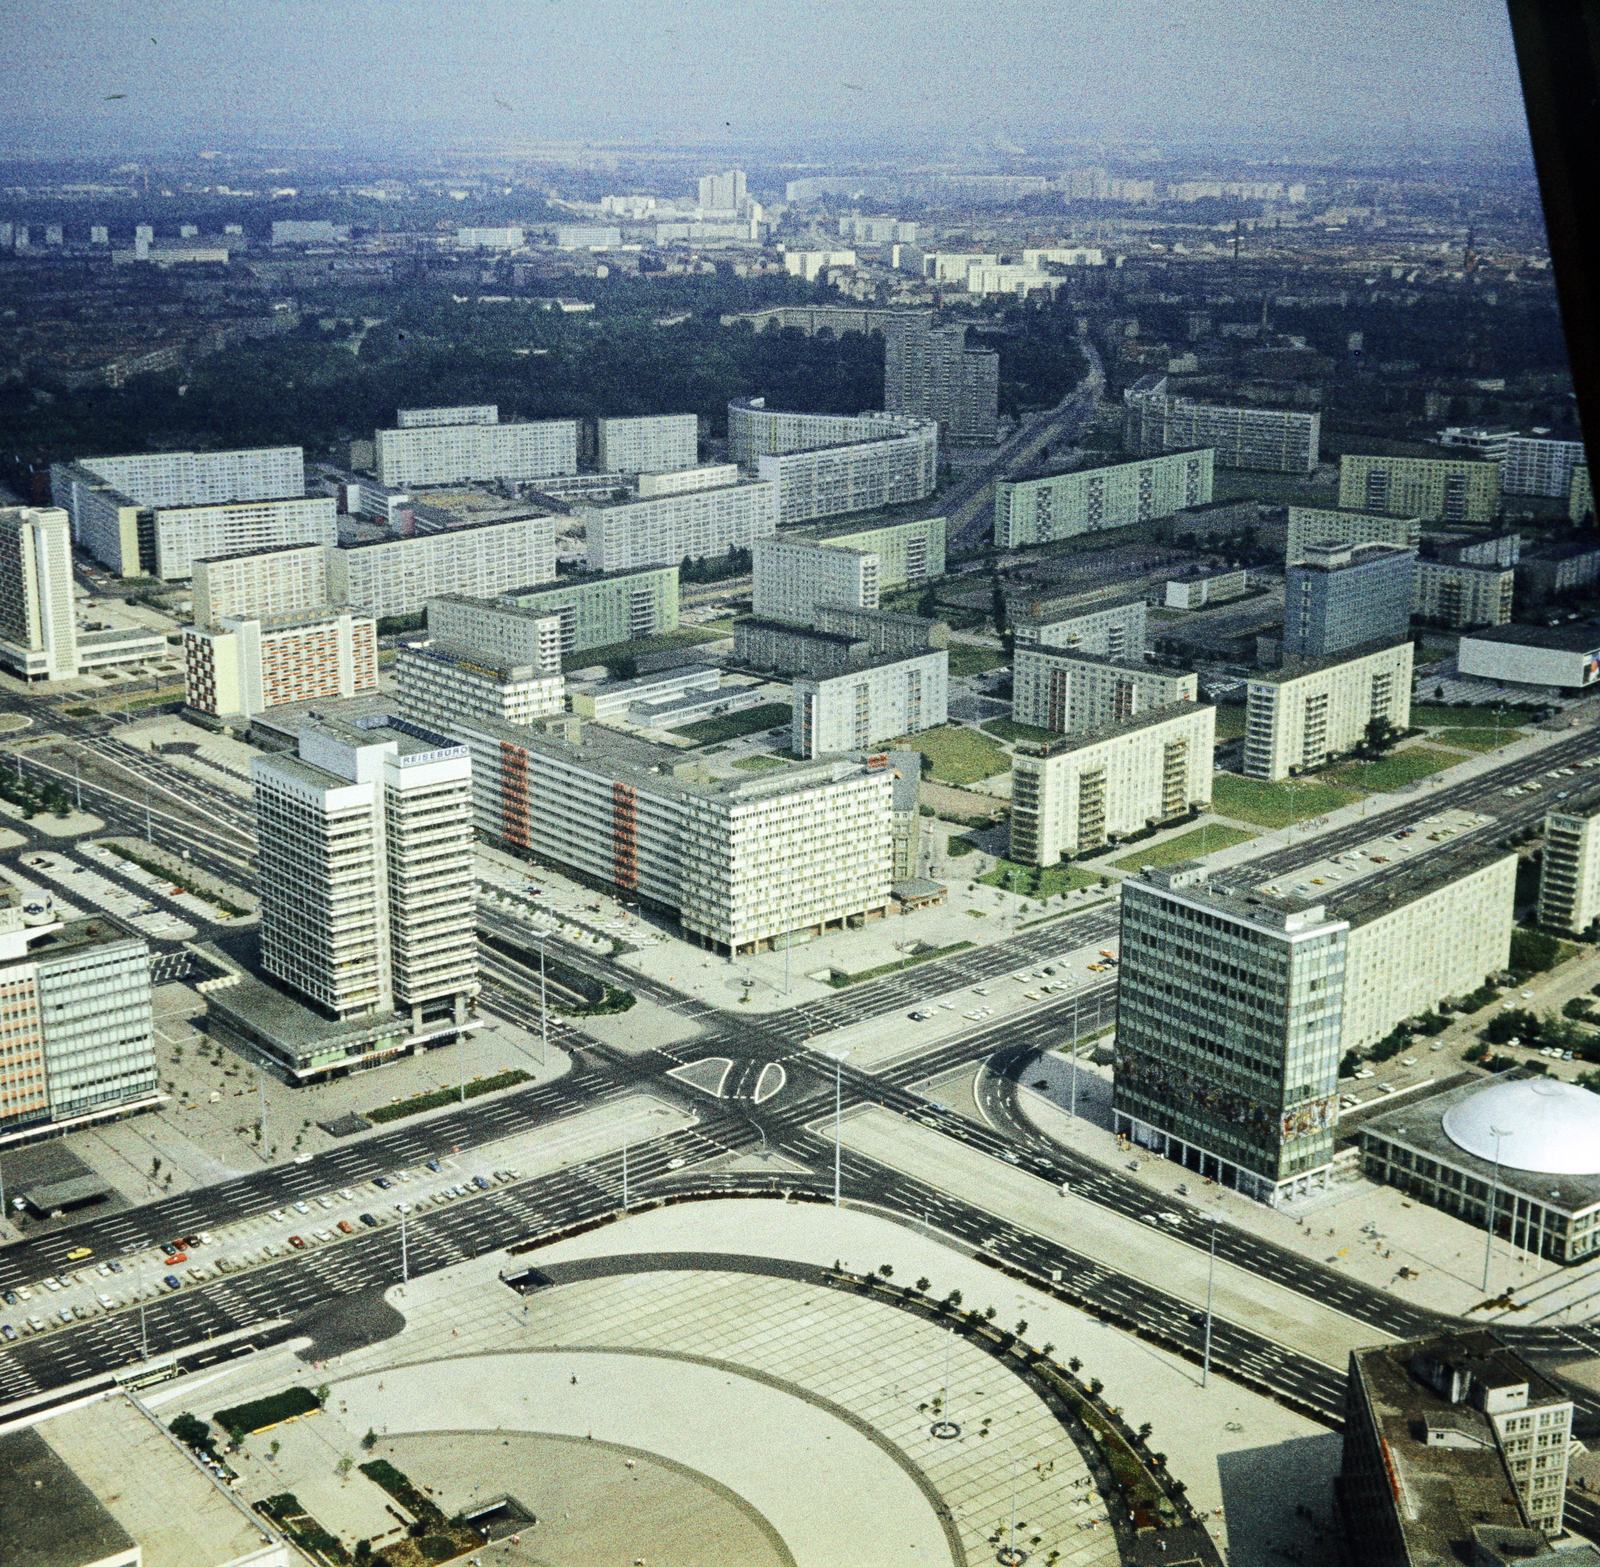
{"points": [[432, 1100], [842, 981]]}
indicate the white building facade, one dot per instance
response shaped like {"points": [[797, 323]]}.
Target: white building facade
{"points": [[657, 443], [463, 453], [662, 530], [38, 628], [875, 700], [791, 577], [1065, 690]]}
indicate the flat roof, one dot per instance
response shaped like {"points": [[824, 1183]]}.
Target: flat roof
{"points": [[1138, 666], [443, 651], [661, 677], [1079, 738], [1419, 1125], [1096, 462], [805, 633], [1296, 668], [861, 524], [443, 533], [1056, 613], [48, 1516], [100, 930], [1560, 639], [267, 1010]]}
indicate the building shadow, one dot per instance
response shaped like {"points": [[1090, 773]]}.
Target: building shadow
{"points": [[1262, 1487]]}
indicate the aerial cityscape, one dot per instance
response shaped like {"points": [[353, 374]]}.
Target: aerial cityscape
{"points": [[772, 804]]}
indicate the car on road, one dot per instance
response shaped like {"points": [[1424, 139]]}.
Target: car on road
{"points": [[170, 1246], [78, 1253], [297, 1243], [24, 1293], [106, 1301], [173, 1282], [347, 1227], [203, 1238], [368, 1220]]}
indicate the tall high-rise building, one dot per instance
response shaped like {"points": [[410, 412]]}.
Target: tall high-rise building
{"points": [[441, 681], [1067, 690], [366, 870], [1569, 870], [791, 577], [242, 665], [1337, 597], [469, 449], [875, 698], [722, 192], [655, 443], [38, 631], [1535, 466], [1108, 494], [1329, 525], [929, 372], [539, 627]]}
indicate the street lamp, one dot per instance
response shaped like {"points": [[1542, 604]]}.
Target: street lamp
{"points": [[1008, 1555], [1494, 1199], [1211, 1278], [944, 1428], [838, 1105]]}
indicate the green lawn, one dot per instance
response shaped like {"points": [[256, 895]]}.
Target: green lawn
{"points": [[768, 716], [1430, 715], [959, 756], [1230, 721], [1040, 881], [965, 659], [1402, 767], [1189, 846], [759, 764], [1477, 739], [1271, 804], [1009, 729], [642, 647]]}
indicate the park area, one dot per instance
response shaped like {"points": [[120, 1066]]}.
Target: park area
{"points": [[1394, 770], [1038, 881], [733, 726], [1186, 846], [957, 756]]}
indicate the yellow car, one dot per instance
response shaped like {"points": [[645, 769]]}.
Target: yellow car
{"points": [[78, 1253]]}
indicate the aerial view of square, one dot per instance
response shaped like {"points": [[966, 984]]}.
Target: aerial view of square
{"points": [[784, 806]]}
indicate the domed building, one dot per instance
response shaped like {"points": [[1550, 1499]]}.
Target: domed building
{"points": [[1532, 1141]]}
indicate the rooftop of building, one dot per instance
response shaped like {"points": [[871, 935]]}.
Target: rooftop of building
{"points": [[1356, 511], [872, 522], [1580, 638], [706, 673], [463, 655], [1053, 611], [1298, 668], [792, 629], [98, 930], [294, 1023], [1203, 507], [906, 766], [871, 661], [446, 533], [1538, 1126], [630, 759], [289, 619], [48, 1516], [114, 634], [265, 549], [1449, 1487], [278, 726], [1138, 666], [1149, 719], [1093, 461], [1330, 556]]}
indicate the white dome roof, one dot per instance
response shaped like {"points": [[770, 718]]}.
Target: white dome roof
{"points": [[1550, 1127]]}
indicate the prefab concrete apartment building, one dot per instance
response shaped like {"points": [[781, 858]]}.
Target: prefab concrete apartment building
{"points": [[240, 666], [539, 627], [656, 443], [908, 552], [876, 698], [1068, 691], [1436, 489], [463, 451], [439, 680], [739, 862], [1569, 870], [1109, 494], [1114, 629], [1309, 525], [1075, 795], [1277, 440], [792, 576], [662, 530], [1299, 716]]}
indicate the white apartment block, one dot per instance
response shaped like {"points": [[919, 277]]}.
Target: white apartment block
{"points": [[399, 576], [366, 869], [874, 700], [952, 266], [908, 552], [756, 431], [204, 478], [1064, 256], [709, 476], [1113, 630], [511, 238], [1275, 439], [859, 477], [1309, 525], [1569, 872], [460, 413], [580, 236], [1534, 466], [1449, 594], [1214, 587], [722, 192], [504, 634], [440, 681], [791, 577], [1069, 691], [662, 530], [1073, 796], [240, 666], [38, 628], [806, 264], [738, 862], [1397, 965], [278, 581], [657, 443], [462, 453], [1299, 716], [1112, 494], [185, 534]]}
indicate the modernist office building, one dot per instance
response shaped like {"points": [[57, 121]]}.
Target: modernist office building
{"points": [[1340, 596], [1075, 795], [1236, 1005], [1299, 716], [38, 626], [1109, 494], [739, 862], [1069, 691], [1436, 489]]}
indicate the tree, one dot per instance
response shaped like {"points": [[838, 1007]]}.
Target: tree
{"points": [[1513, 1023], [922, 1286], [1021, 1327], [1145, 1430], [1096, 1387], [369, 1441], [1534, 951], [1074, 1365], [887, 1271], [1380, 736]]}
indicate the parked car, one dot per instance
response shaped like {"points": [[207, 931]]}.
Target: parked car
{"points": [[369, 1221], [347, 1227], [173, 1282], [297, 1243]]}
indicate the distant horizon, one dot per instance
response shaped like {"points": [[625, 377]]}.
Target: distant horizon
{"points": [[1314, 78]]}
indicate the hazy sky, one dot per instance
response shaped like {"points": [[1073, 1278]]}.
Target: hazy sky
{"points": [[750, 71]]}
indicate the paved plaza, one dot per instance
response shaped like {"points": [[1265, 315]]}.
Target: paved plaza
{"points": [[713, 1415]]}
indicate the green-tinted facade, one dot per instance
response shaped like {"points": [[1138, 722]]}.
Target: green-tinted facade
{"points": [[618, 607], [908, 552], [1113, 494]]}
